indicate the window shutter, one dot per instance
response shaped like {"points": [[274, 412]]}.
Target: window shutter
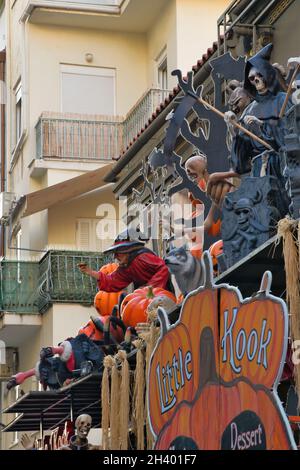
{"points": [[83, 235]]}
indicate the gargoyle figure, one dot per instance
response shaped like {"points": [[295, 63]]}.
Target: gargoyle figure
{"points": [[248, 220], [186, 268], [80, 441]]}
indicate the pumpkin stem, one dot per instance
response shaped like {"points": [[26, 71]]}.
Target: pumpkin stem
{"points": [[265, 285], [150, 293], [164, 321], [207, 270]]}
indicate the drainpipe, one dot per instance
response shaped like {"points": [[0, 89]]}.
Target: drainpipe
{"points": [[2, 148]]}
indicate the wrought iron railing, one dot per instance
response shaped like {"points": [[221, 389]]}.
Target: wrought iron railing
{"points": [[62, 281], [90, 137], [31, 287]]}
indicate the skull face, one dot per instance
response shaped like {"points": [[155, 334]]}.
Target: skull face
{"points": [[83, 425], [243, 217], [257, 80]]}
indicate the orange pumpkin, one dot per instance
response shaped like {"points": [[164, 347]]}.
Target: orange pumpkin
{"points": [[134, 306], [169, 379], [235, 415], [104, 302]]}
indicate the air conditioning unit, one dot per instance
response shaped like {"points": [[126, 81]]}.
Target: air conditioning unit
{"points": [[6, 200], [8, 362]]}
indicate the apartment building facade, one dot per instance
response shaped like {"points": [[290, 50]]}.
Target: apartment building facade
{"points": [[79, 80]]}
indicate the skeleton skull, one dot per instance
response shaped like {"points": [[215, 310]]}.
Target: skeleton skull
{"points": [[256, 78], [83, 425]]}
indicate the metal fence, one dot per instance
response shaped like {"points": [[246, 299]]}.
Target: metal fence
{"points": [[18, 286], [75, 136], [31, 287]]}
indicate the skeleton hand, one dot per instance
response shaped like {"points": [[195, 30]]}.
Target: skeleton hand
{"points": [[26, 442], [252, 120], [230, 119]]}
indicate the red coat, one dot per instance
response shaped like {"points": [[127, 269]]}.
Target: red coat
{"points": [[145, 269]]}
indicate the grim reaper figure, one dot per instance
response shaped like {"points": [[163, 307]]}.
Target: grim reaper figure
{"points": [[261, 117]]}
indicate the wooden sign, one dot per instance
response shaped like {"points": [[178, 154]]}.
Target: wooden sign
{"points": [[213, 375]]}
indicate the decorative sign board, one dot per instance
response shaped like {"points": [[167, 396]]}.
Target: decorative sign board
{"points": [[213, 375]]}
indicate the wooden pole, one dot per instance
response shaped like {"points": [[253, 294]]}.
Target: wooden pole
{"points": [[289, 91], [236, 124]]}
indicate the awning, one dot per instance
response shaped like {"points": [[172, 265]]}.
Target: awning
{"points": [[62, 192], [52, 408]]}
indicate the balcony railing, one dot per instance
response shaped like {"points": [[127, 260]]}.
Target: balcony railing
{"points": [[18, 286], [31, 287], [74, 136], [139, 115]]}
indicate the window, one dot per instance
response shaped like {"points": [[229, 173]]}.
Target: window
{"points": [[86, 236], [87, 90], [162, 70], [18, 114]]}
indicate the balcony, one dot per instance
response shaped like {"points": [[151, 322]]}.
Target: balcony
{"points": [[85, 137], [114, 15], [66, 136], [31, 287]]}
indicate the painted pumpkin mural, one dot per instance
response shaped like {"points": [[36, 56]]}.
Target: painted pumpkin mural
{"points": [[174, 376], [200, 309], [230, 400], [104, 302], [248, 414], [134, 306]]}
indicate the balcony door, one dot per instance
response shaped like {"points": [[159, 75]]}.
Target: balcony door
{"points": [[87, 90]]}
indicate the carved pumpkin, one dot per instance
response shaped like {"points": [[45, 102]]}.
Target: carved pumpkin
{"points": [[176, 369], [235, 415], [134, 306], [104, 302]]}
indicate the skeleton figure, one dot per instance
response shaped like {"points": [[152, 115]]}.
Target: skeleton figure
{"points": [[262, 118], [80, 441]]}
